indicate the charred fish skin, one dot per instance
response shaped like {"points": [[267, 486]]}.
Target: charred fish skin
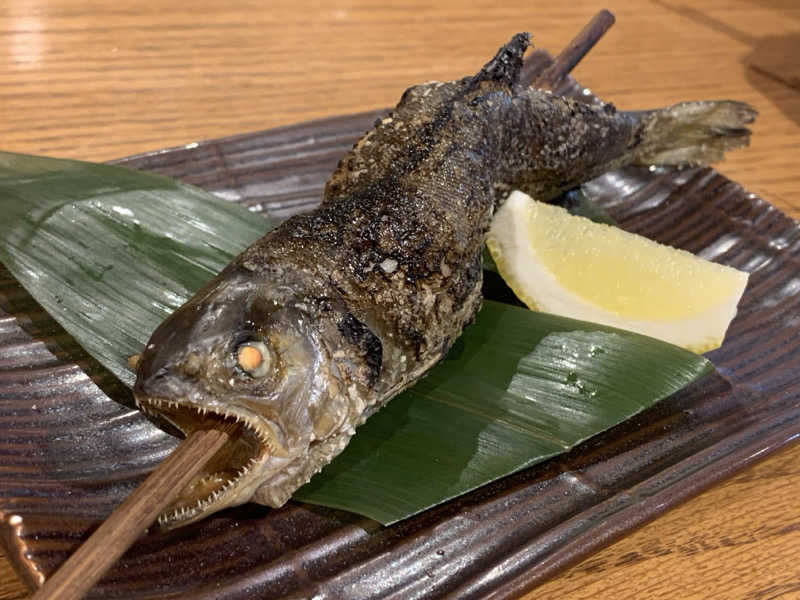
{"points": [[318, 324]]}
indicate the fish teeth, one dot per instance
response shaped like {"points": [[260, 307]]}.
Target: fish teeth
{"points": [[151, 406], [185, 512]]}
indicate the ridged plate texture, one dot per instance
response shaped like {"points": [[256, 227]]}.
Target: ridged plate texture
{"points": [[71, 450]]}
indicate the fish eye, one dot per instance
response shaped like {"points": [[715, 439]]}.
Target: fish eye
{"points": [[254, 358]]}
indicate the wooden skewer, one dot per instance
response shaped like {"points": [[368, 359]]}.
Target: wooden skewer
{"points": [[575, 50], [110, 541]]}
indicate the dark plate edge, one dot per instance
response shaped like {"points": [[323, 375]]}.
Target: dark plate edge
{"points": [[741, 451]]}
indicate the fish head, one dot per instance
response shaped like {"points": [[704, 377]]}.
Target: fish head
{"points": [[253, 351]]}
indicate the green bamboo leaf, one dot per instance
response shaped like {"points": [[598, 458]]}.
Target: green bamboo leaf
{"points": [[110, 252], [518, 387]]}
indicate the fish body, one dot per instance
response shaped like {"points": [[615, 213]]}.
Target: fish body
{"points": [[322, 321]]}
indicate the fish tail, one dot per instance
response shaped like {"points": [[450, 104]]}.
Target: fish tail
{"points": [[694, 133]]}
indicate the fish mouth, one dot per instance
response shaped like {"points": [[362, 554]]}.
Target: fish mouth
{"points": [[228, 477]]}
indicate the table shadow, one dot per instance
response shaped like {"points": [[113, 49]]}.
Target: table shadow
{"points": [[772, 65]]}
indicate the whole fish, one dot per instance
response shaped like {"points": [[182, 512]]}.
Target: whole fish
{"points": [[322, 321]]}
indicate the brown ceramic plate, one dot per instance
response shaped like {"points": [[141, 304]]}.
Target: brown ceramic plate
{"points": [[70, 453]]}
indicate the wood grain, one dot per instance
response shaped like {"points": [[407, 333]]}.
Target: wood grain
{"points": [[97, 80], [739, 540]]}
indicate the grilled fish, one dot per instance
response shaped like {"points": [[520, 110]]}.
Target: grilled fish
{"points": [[318, 324]]}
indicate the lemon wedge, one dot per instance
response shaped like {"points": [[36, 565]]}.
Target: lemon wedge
{"points": [[568, 265]]}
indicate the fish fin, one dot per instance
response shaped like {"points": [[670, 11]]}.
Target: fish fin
{"points": [[506, 65], [694, 133]]}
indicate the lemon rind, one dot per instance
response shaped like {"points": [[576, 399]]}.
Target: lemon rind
{"points": [[700, 332]]}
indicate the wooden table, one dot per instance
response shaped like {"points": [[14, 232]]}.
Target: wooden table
{"points": [[97, 80]]}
